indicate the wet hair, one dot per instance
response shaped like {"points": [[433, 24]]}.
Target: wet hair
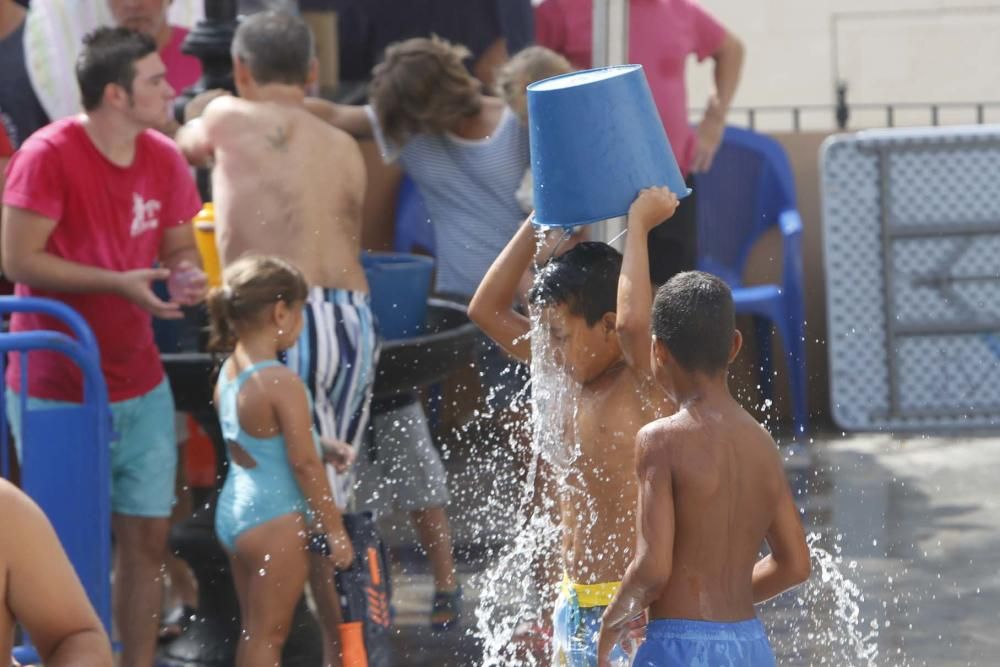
{"points": [[109, 56], [423, 87], [249, 286], [585, 279], [526, 67], [276, 47], [693, 316]]}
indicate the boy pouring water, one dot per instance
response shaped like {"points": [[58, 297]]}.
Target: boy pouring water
{"points": [[599, 329]]}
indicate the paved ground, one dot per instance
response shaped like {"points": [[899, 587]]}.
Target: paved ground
{"points": [[911, 523]]}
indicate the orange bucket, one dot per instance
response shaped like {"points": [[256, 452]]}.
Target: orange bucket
{"points": [[204, 236]]}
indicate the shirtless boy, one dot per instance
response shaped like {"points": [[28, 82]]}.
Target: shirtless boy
{"points": [[599, 325], [712, 491], [286, 183]]}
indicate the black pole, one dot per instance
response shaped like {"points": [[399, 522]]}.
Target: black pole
{"points": [[843, 111], [210, 43]]}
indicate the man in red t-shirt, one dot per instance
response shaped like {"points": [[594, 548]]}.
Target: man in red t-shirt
{"points": [[150, 17], [663, 34], [91, 202]]}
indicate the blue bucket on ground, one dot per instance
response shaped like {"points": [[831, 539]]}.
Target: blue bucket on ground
{"points": [[400, 284], [596, 141]]}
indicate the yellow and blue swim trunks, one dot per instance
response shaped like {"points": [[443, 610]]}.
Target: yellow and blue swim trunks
{"points": [[576, 622]]}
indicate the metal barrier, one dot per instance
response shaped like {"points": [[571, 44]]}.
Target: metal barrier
{"points": [[911, 234], [65, 460]]}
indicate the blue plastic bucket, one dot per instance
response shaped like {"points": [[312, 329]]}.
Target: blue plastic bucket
{"points": [[596, 141], [400, 284]]}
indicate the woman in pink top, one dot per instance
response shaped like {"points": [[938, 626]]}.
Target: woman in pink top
{"points": [[150, 17], [662, 35]]}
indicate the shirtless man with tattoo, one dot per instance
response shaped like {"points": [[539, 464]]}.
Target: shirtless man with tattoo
{"points": [[286, 183]]}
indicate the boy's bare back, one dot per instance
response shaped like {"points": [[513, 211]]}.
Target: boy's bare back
{"points": [[287, 184], [728, 489]]}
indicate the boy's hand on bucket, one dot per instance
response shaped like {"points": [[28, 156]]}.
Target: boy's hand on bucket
{"points": [[652, 207]]}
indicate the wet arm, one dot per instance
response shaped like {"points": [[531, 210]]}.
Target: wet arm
{"points": [[635, 289], [788, 564], [292, 407], [492, 306], [348, 117], [635, 298], [652, 566], [44, 593]]}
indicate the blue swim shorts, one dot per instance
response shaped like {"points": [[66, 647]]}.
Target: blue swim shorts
{"points": [[705, 644], [143, 449]]}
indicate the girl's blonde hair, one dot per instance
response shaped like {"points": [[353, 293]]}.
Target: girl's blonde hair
{"points": [[526, 67], [423, 87], [249, 285]]}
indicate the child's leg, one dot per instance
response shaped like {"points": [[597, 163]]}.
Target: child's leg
{"points": [[241, 580], [435, 537], [324, 593], [274, 560]]}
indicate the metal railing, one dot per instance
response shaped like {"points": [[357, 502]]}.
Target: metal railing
{"points": [[840, 115]]}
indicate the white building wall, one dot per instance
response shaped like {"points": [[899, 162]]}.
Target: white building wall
{"points": [[888, 51]]}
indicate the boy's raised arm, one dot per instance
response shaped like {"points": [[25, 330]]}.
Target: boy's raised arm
{"points": [[652, 565], [635, 291], [788, 564], [492, 306]]}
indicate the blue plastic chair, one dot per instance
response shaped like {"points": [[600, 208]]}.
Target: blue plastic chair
{"points": [[65, 463], [749, 189], [414, 231]]}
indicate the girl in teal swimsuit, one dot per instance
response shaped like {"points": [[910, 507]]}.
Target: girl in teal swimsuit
{"points": [[275, 506]]}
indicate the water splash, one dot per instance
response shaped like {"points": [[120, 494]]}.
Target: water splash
{"points": [[826, 624], [511, 598]]}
